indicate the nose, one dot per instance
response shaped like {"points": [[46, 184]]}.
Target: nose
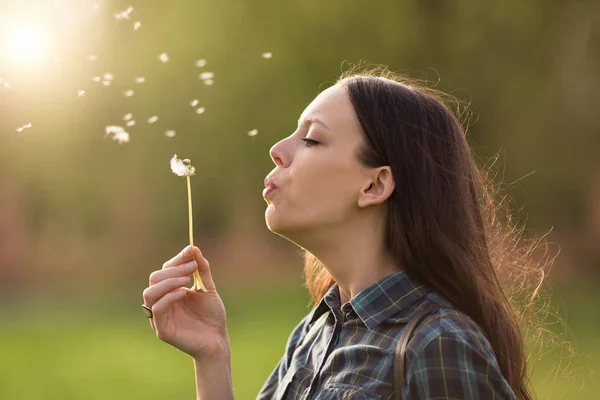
{"points": [[276, 153]]}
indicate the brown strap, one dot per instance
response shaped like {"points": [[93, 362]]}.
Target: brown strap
{"points": [[400, 352]]}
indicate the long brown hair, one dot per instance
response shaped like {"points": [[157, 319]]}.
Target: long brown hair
{"points": [[445, 227]]}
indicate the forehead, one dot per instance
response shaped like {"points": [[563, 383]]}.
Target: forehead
{"points": [[333, 107]]}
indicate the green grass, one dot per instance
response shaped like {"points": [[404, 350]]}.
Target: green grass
{"points": [[65, 353]]}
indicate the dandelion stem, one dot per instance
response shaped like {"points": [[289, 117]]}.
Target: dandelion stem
{"points": [[197, 281]]}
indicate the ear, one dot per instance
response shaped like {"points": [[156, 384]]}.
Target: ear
{"points": [[378, 188]]}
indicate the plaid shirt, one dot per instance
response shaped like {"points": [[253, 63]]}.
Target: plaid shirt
{"points": [[347, 352]]}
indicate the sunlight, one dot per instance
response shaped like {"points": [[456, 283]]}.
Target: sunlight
{"points": [[26, 42]]}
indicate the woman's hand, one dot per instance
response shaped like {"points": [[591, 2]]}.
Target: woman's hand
{"points": [[192, 321]]}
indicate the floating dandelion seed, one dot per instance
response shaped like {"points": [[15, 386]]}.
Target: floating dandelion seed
{"points": [[170, 133], [113, 129], [267, 55], [194, 103], [80, 93], [128, 93], [200, 110], [124, 14], [130, 123], [253, 132], [184, 168], [106, 83], [108, 76], [127, 117], [137, 25], [201, 63], [20, 128], [140, 79], [92, 57], [121, 137], [164, 57], [206, 75], [152, 119], [96, 78]]}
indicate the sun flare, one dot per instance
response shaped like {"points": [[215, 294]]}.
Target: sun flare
{"points": [[26, 42]]}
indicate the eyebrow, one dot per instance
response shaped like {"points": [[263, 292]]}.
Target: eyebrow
{"points": [[314, 121]]}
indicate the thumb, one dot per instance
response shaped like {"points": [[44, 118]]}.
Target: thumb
{"points": [[204, 270]]}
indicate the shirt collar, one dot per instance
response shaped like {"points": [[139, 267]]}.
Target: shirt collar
{"points": [[378, 301]]}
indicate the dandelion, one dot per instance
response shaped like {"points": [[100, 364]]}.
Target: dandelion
{"points": [[253, 132], [96, 78], [206, 75], [152, 119], [127, 117], [140, 79], [170, 133], [208, 82], [130, 123], [194, 103], [184, 168], [201, 63], [128, 93], [80, 93], [267, 55], [164, 57], [200, 110], [137, 25]]}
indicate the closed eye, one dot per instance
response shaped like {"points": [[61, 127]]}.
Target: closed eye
{"points": [[310, 142]]}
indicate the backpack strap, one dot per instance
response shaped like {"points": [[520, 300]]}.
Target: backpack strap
{"points": [[400, 352]]}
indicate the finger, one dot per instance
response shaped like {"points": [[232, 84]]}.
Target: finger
{"points": [[153, 293], [178, 270], [165, 302], [184, 256], [204, 271]]}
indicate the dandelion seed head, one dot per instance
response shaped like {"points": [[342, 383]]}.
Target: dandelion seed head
{"points": [[127, 117], [152, 119], [206, 75], [140, 79], [200, 110], [130, 123], [267, 55], [201, 63], [170, 133], [182, 167], [253, 132], [128, 93], [208, 82], [164, 57], [137, 25], [194, 103]]}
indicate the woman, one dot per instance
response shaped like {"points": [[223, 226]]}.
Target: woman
{"points": [[379, 187]]}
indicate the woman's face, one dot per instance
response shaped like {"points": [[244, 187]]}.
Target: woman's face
{"points": [[317, 184]]}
